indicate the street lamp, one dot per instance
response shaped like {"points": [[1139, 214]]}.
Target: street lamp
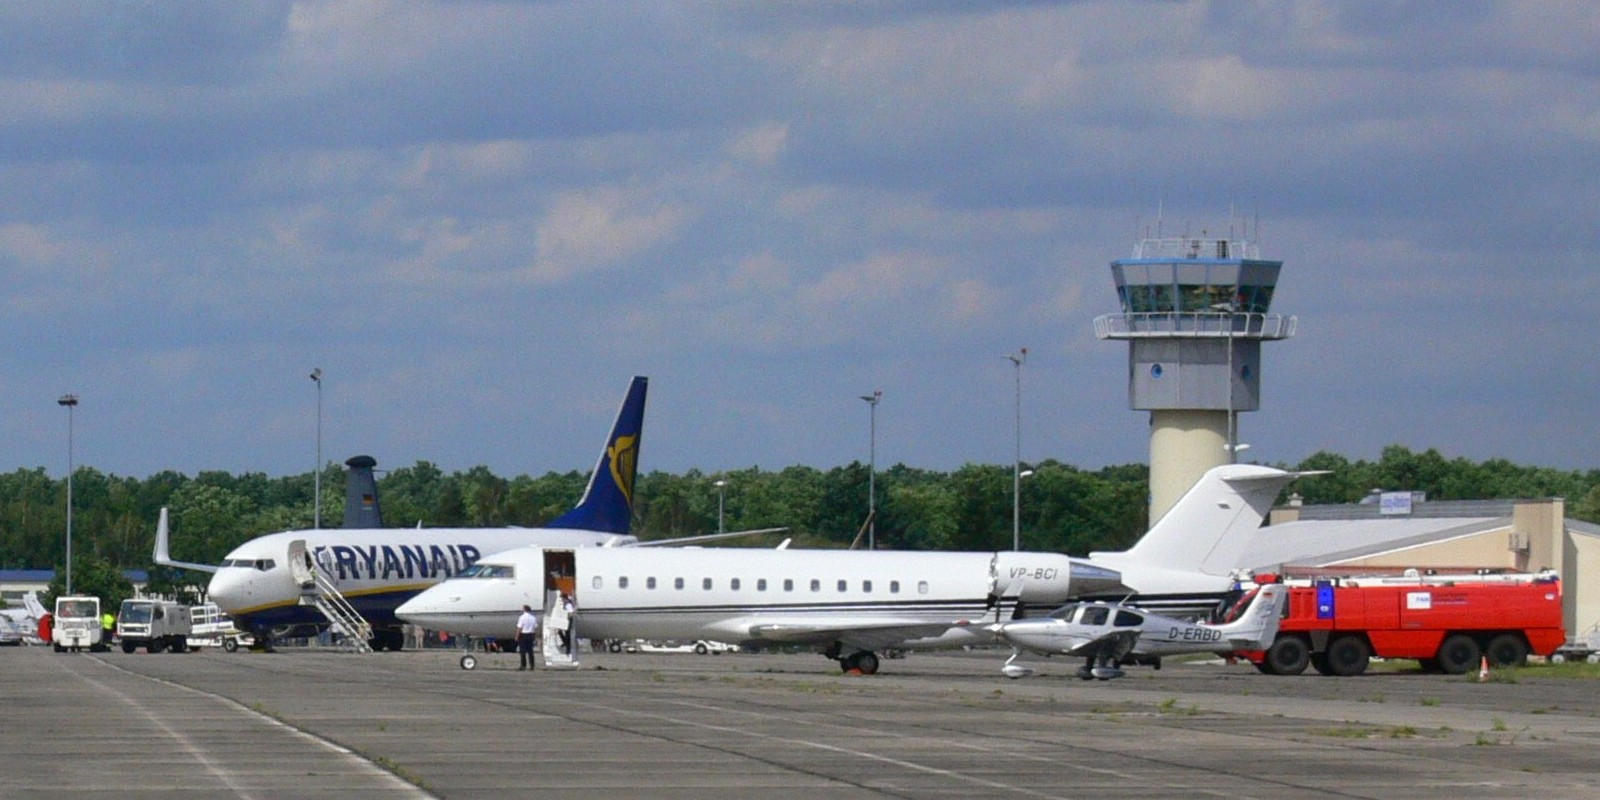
{"points": [[1233, 445], [721, 486], [872, 472], [316, 514], [71, 403], [1016, 511], [1017, 359]]}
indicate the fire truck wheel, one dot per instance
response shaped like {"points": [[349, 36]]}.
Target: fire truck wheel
{"points": [[1348, 655], [1288, 656], [1458, 654], [1506, 650]]}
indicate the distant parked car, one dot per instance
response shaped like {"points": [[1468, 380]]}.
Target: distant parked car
{"points": [[700, 647]]}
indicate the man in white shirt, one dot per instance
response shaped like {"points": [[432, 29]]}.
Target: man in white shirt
{"points": [[527, 632]]}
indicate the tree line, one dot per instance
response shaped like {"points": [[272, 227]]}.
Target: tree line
{"points": [[1063, 508]]}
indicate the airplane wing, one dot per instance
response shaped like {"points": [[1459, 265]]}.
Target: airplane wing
{"points": [[864, 632], [1115, 644], [709, 537], [160, 555]]}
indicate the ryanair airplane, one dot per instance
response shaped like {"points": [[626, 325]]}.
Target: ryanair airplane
{"points": [[377, 569], [850, 605]]}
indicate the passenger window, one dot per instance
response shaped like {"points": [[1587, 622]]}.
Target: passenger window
{"points": [[733, 584], [922, 587], [649, 583], [622, 582], [894, 587], [705, 584], [1095, 615], [761, 584], [844, 585], [598, 582], [1128, 619], [677, 583], [788, 584], [866, 586], [816, 585]]}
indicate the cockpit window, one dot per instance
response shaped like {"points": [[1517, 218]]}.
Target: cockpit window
{"points": [[482, 570], [1065, 612], [1094, 615], [262, 564]]}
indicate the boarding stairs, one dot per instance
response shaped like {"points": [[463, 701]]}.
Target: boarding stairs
{"points": [[317, 589]]}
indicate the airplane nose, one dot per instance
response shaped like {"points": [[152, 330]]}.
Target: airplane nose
{"points": [[230, 589]]}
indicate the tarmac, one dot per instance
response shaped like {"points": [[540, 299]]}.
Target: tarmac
{"points": [[320, 723]]}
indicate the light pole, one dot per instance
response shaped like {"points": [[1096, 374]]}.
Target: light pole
{"points": [[721, 486], [1232, 446], [71, 403], [1017, 359], [872, 471], [316, 514]]}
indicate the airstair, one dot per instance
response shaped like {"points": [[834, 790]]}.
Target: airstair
{"points": [[316, 589]]}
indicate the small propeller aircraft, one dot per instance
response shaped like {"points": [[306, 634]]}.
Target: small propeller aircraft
{"points": [[1108, 634]]}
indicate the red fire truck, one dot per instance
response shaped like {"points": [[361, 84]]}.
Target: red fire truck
{"points": [[1447, 622]]}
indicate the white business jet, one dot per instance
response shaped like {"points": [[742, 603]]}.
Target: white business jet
{"points": [[1107, 635], [377, 569], [849, 604], [21, 625]]}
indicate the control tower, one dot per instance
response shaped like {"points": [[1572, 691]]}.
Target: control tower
{"points": [[1194, 314]]}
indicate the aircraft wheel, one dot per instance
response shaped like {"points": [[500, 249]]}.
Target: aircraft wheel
{"points": [[867, 663], [1458, 654], [1348, 655], [469, 662], [1289, 655]]}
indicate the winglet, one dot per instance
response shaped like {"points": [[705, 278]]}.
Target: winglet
{"points": [[160, 555], [607, 503]]}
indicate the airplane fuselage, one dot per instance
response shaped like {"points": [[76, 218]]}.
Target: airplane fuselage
{"points": [[866, 600], [375, 569]]}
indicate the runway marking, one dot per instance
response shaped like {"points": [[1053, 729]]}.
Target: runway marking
{"points": [[911, 765], [395, 783], [986, 749]]}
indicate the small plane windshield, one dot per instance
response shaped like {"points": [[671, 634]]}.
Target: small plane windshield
{"points": [[482, 570], [1065, 613]]}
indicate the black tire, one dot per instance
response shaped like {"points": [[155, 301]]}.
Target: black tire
{"points": [[1319, 662], [154, 646], [1506, 650], [1289, 655], [179, 645], [867, 663], [1458, 654], [1347, 656], [230, 644], [128, 647], [614, 646], [700, 649]]}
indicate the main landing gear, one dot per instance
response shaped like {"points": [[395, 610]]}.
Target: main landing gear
{"points": [[861, 662]]}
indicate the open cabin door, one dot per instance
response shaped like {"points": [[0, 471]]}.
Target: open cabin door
{"points": [[560, 586]]}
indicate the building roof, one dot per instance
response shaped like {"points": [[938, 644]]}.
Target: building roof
{"points": [[1327, 541]]}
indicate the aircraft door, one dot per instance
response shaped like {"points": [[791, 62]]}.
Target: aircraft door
{"points": [[300, 565], [560, 640]]}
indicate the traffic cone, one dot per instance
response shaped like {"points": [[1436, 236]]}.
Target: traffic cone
{"points": [[1483, 670]]}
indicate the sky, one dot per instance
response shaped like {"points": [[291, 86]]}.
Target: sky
{"points": [[480, 219]]}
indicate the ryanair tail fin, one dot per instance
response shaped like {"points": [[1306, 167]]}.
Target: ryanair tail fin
{"points": [[607, 503], [361, 509]]}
